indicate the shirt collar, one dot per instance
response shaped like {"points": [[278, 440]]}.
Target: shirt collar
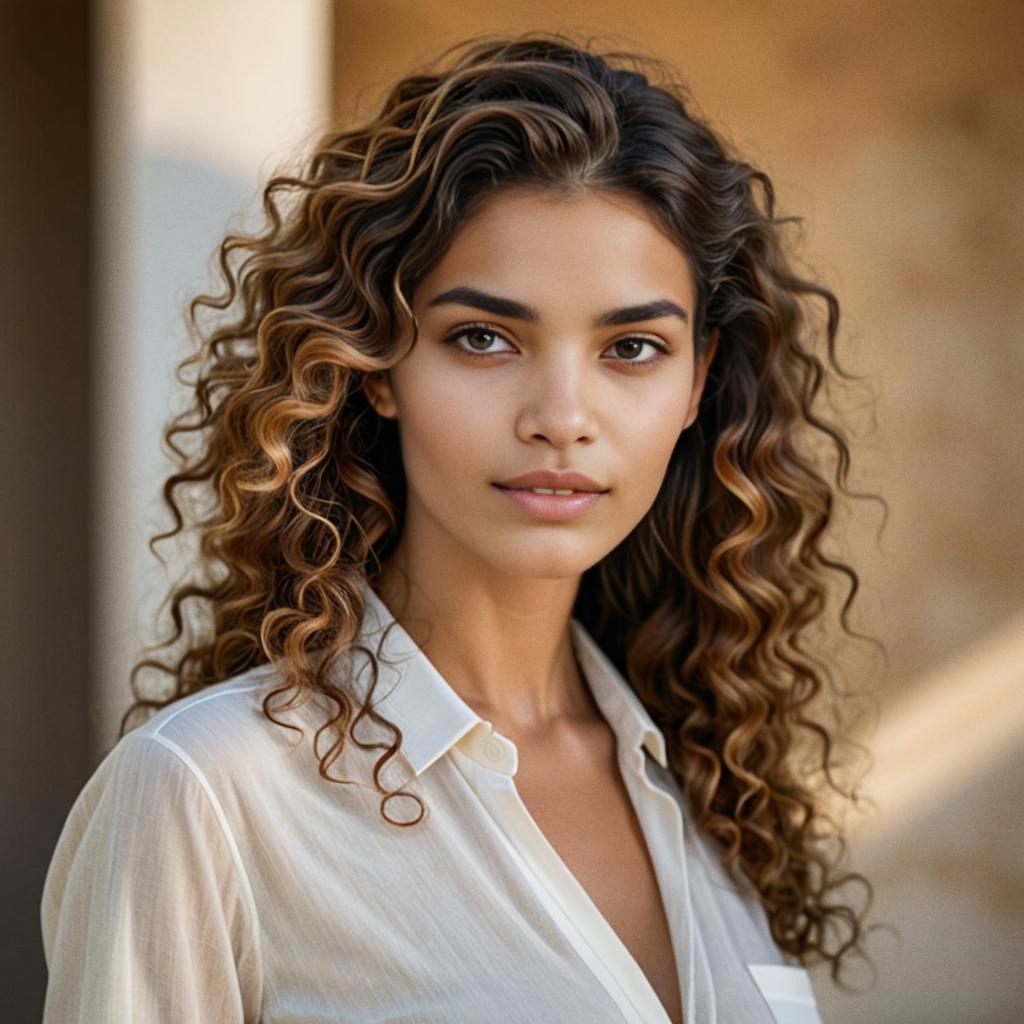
{"points": [[433, 717]]}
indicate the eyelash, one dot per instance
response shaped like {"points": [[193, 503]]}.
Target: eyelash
{"points": [[661, 349]]}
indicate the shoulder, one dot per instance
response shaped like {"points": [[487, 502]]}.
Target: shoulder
{"points": [[179, 778], [210, 753], [223, 731], [181, 746], [227, 704], [147, 862]]}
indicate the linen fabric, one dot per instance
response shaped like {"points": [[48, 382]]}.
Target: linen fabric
{"points": [[208, 873]]}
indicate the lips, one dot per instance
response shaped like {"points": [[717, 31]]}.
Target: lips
{"points": [[558, 508], [552, 480]]}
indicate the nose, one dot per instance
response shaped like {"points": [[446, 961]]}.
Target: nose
{"points": [[557, 406]]}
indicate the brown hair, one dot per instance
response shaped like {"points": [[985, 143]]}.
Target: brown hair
{"points": [[704, 607]]}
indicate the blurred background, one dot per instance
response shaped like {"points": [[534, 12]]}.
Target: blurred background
{"points": [[136, 132]]}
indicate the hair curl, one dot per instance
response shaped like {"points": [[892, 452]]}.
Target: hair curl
{"points": [[703, 607]]}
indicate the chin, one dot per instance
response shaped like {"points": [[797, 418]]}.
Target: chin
{"points": [[547, 559]]}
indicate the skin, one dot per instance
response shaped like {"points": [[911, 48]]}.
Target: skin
{"points": [[492, 587]]}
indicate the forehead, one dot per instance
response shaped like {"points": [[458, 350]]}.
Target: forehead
{"points": [[563, 244]]}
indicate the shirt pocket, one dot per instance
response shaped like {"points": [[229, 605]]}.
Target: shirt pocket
{"points": [[787, 991]]}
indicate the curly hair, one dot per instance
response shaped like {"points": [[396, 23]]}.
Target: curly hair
{"points": [[704, 606]]}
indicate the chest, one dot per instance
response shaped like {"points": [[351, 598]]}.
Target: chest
{"points": [[579, 801]]}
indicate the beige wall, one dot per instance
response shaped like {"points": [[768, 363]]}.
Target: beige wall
{"points": [[895, 130]]}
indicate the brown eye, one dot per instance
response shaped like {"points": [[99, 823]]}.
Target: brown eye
{"points": [[477, 332], [634, 345]]}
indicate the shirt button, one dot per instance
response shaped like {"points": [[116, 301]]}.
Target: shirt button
{"points": [[494, 750]]}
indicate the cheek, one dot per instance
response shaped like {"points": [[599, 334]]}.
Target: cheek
{"points": [[447, 437], [647, 441]]}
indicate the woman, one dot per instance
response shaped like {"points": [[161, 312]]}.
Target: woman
{"points": [[512, 526]]}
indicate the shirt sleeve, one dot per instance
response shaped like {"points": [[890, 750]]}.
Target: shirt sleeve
{"points": [[146, 913]]}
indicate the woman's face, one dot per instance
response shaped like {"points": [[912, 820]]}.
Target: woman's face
{"points": [[537, 363]]}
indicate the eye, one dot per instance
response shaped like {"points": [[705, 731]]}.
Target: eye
{"points": [[660, 350], [483, 332], [474, 331]]}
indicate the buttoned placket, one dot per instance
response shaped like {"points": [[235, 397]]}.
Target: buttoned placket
{"points": [[488, 761]]}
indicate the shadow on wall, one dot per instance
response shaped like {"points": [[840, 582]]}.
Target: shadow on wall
{"points": [[949, 880], [183, 208]]}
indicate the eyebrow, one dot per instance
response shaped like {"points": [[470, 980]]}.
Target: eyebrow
{"points": [[500, 306]]}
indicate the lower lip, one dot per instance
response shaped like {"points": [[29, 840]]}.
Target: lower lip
{"points": [[553, 507]]}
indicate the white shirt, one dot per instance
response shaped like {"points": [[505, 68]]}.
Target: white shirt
{"points": [[207, 873]]}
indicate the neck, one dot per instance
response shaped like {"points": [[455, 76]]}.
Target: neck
{"points": [[503, 645]]}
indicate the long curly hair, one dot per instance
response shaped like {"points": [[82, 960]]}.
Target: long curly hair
{"points": [[295, 489]]}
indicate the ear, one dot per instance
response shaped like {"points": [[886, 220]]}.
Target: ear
{"points": [[700, 376], [377, 388]]}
